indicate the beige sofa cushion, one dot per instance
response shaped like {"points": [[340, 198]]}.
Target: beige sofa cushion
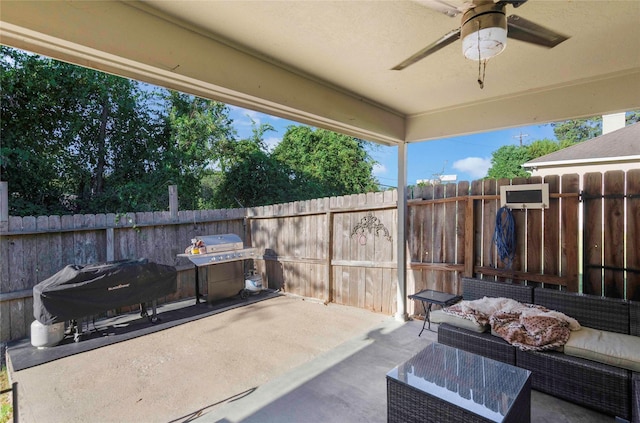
{"points": [[438, 316], [611, 348]]}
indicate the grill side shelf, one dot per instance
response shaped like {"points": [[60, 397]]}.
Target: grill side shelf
{"points": [[208, 259]]}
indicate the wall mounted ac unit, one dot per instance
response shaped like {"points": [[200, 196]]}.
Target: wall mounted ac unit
{"points": [[530, 196]]}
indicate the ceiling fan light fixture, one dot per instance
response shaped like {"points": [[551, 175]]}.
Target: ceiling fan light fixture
{"points": [[484, 44], [484, 33]]}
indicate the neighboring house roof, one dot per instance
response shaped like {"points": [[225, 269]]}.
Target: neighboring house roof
{"points": [[620, 145]]}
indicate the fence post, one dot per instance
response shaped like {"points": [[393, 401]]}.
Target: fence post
{"points": [[14, 398], [328, 289], [173, 202], [469, 241], [4, 206], [111, 256]]}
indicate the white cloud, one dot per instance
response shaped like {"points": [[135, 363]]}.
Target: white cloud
{"points": [[272, 142], [243, 117], [251, 118], [476, 167], [255, 116], [379, 169]]}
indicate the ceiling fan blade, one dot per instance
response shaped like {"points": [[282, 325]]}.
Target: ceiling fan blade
{"points": [[442, 7], [514, 3], [521, 29], [431, 48]]}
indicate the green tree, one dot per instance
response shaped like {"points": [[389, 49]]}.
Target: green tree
{"points": [[326, 163], [76, 140], [576, 130], [506, 162], [250, 176], [101, 143], [632, 117], [32, 105], [70, 136], [116, 145], [307, 164], [198, 130], [542, 147]]}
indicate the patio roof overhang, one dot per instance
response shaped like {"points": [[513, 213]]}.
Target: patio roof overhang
{"points": [[328, 64]]}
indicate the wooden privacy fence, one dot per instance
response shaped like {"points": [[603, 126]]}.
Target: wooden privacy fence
{"points": [[451, 230], [344, 249], [611, 253], [32, 249], [339, 249], [310, 247], [591, 228]]}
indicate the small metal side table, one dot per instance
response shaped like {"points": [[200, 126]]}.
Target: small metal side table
{"points": [[431, 297]]}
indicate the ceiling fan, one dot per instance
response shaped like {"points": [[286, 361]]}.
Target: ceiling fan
{"points": [[484, 30]]}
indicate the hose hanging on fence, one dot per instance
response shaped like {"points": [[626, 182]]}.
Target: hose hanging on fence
{"points": [[504, 236]]}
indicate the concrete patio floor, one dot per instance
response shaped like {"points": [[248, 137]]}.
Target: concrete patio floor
{"points": [[279, 360]]}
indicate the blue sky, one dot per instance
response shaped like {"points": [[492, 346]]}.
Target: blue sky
{"points": [[467, 157]]}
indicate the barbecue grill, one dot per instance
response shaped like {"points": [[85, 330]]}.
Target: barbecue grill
{"points": [[77, 292], [228, 254]]}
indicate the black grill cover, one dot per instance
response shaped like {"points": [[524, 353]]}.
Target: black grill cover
{"points": [[80, 291]]}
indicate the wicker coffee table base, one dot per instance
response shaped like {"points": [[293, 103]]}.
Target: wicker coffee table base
{"points": [[406, 405]]}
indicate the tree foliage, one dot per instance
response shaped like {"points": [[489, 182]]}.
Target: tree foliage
{"points": [[543, 147], [197, 129], [76, 140], [308, 163], [576, 130], [632, 117], [507, 161], [326, 163], [65, 131], [249, 176]]}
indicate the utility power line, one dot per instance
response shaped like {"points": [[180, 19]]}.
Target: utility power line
{"points": [[521, 136]]}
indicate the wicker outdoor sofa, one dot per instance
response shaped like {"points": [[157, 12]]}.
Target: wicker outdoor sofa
{"points": [[606, 388]]}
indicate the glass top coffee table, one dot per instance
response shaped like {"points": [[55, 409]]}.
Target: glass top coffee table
{"points": [[445, 384]]}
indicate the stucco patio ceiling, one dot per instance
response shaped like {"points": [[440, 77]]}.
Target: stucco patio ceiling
{"points": [[328, 63]]}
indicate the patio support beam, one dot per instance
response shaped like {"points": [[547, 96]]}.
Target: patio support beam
{"points": [[604, 94], [401, 236]]}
